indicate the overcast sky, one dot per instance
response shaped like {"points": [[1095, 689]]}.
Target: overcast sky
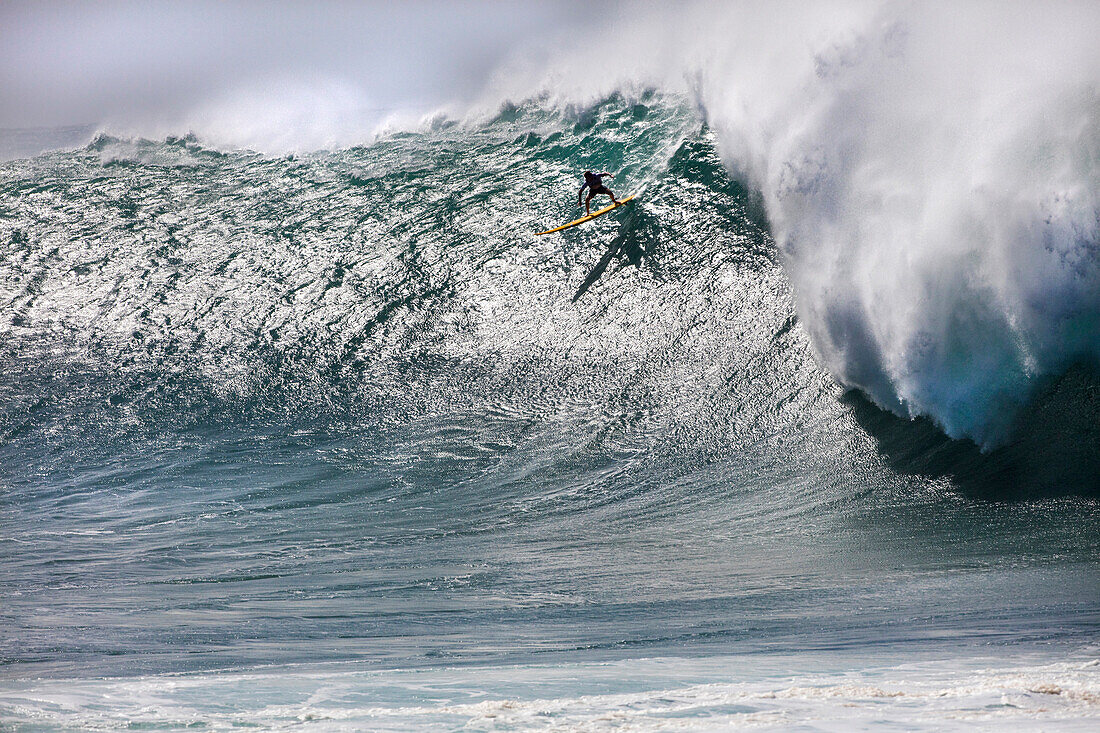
{"points": [[283, 76], [89, 62]]}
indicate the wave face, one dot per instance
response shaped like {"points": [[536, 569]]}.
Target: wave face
{"points": [[929, 173], [345, 406]]}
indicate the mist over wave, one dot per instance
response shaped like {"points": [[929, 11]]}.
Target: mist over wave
{"points": [[940, 212]]}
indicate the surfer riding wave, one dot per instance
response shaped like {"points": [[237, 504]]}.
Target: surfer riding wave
{"points": [[594, 183]]}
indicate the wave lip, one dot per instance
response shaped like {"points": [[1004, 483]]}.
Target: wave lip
{"points": [[942, 232]]}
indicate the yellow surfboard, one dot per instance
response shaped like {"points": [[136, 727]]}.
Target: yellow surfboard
{"points": [[590, 217]]}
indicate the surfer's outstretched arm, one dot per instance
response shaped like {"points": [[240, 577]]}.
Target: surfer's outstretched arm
{"points": [[605, 188]]}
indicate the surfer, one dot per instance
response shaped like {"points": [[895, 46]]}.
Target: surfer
{"points": [[594, 183]]}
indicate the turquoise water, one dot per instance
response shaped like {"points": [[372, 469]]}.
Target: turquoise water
{"points": [[272, 427]]}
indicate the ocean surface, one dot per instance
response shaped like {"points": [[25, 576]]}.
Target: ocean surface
{"points": [[331, 441]]}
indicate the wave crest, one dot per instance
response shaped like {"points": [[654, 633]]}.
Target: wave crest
{"points": [[936, 193]]}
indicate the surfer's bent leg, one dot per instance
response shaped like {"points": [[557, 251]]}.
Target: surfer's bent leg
{"points": [[606, 190], [587, 200]]}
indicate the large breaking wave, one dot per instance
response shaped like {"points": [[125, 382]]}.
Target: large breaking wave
{"points": [[930, 173], [930, 176]]}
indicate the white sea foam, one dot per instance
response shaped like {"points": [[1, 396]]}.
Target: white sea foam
{"points": [[641, 695]]}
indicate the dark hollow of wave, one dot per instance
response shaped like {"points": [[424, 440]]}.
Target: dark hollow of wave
{"points": [[1055, 450]]}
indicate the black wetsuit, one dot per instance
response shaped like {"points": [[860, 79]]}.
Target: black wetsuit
{"points": [[594, 183]]}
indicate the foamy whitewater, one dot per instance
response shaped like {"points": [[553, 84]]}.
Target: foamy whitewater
{"points": [[301, 427]]}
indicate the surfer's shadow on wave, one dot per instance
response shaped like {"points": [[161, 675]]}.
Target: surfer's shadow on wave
{"points": [[627, 248]]}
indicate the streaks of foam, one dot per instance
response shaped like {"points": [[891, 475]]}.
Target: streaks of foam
{"points": [[643, 696]]}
